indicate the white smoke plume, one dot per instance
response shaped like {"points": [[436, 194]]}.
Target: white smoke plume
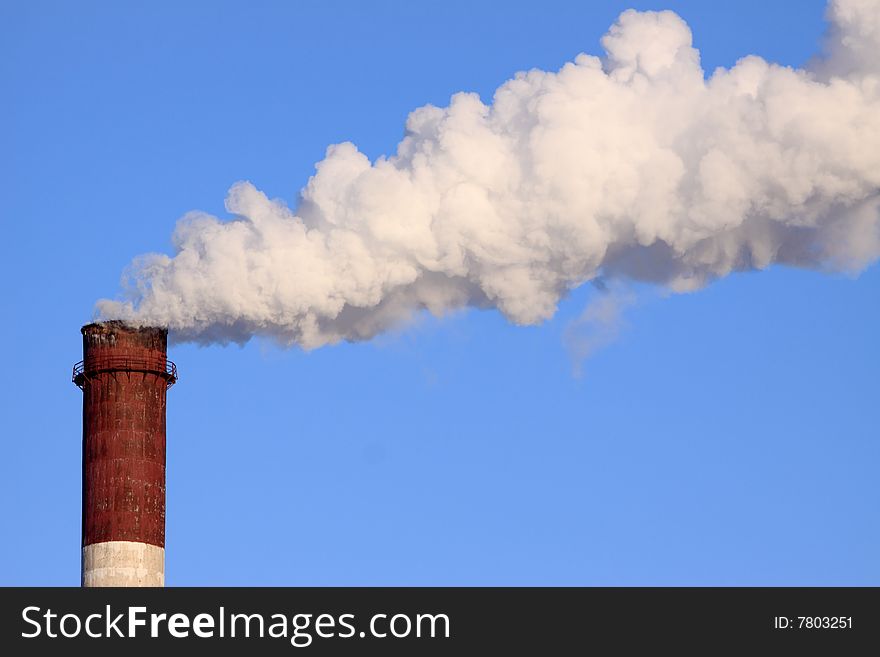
{"points": [[635, 166]]}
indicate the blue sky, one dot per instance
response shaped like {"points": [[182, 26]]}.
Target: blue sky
{"points": [[727, 436]]}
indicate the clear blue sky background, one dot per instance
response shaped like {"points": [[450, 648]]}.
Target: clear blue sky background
{"points": [[727, 437]]}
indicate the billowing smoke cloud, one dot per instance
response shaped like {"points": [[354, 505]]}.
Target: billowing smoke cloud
{"points": [[635, 166]]}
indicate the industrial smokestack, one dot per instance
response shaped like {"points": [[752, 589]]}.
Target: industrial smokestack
{"points": [[124, 376]]}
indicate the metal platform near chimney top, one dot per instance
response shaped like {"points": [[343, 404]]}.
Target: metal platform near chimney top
{"points": [[160, 366]]}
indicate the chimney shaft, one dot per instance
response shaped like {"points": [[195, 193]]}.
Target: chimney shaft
{"points": [[124, 376]]}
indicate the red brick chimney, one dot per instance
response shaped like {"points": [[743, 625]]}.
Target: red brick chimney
{"points": [[124, 376]]}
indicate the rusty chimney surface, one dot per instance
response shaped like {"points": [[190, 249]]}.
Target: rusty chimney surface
{"points": [[124, 376]]}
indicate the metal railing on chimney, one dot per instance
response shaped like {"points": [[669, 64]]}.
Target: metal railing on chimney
{"points": [[160, 366]]}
